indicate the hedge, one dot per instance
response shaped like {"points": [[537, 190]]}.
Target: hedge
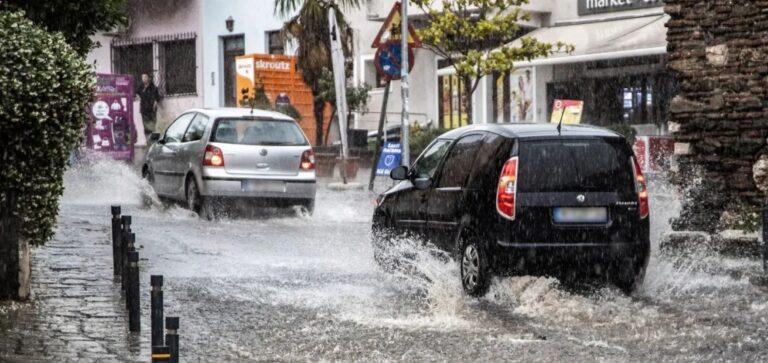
{"points": [[45, 87]]}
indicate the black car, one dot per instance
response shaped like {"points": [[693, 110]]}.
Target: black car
{"points": [[513, 198]]}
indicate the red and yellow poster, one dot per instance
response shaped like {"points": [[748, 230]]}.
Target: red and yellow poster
{"points": [[569, 111], [282, 84]]}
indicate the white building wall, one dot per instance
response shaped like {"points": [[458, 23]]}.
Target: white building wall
{"points": [[252, 19]]}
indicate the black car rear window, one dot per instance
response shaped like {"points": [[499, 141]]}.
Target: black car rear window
{"points": [[569, 165]]}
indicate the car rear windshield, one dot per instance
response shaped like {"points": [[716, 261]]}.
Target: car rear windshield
{"points": [[258, 132], [570, 165]]}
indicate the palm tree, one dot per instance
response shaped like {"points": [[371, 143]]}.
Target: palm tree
{"points": [[309, 27]]}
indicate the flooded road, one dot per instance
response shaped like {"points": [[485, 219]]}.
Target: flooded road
{"points": [[294, 287]]}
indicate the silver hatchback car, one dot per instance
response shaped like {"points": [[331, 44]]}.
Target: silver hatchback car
{"points": [[212, 158]]}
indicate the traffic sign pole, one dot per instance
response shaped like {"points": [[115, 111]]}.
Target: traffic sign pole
{"points": [[404, 85]]}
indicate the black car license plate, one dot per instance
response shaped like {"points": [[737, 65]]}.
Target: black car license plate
{"points": [[580, 215]]}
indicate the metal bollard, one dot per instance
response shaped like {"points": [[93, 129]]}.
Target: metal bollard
{"points": [[116, 229], [765, 239], [124, 249], [161, 354], [172, 337], [129, 247], [156, 310], [125, 230], [133, 293]]}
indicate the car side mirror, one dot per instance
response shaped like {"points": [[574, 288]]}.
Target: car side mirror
{"points": [[422, 183], [399, 173], [154, 137]]}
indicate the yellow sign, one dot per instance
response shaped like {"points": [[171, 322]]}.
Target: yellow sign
{"points": [[390, 30], [569, 111]]}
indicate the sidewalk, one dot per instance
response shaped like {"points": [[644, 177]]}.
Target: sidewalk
{"points": [[76, 311]]}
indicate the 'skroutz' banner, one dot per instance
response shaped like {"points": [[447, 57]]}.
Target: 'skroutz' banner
{"points": [[111, 129]]}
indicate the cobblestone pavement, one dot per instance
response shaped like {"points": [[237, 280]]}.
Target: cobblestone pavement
{"points": [[76, 311]]}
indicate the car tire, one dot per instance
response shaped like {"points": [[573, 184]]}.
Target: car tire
{"points": [[146, 199], [629, 273], [309, 206], [474, 268], [193, 198]]}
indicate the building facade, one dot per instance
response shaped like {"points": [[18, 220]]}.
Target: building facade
{"points": [[617, 68]]}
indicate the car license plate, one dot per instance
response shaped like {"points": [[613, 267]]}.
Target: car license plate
{"points": [[580, 215], [268, 186]]}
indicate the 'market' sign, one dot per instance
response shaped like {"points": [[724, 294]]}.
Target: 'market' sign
{"points": [[587, 7]]}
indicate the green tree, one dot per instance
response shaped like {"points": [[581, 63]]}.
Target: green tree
{"points": [[45, 86], [307, 24], [77, 20], [475, 36]]}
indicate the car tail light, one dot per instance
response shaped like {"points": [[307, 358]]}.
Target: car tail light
{"points": [[308, 160], [641, 188], [507, 189], [213, 156]]}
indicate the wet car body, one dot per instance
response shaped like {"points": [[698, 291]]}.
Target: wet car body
{"points": [[458, 204], [216, 158]]}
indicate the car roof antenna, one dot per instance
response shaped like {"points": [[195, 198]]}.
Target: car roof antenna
{"points": [[560, 123]]}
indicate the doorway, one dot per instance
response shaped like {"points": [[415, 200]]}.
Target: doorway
{"points": [[234, 46]]}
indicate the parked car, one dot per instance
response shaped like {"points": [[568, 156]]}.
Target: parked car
{"points": [[212, 158], [522, 198]]}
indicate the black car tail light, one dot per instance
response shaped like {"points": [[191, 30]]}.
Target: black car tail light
{"points": [[506, 190]]}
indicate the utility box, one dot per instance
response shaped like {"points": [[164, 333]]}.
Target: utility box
{"points": [[283, 85]]}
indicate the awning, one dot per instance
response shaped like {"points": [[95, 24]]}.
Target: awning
{"points": [[612, 39], [621, 38]]}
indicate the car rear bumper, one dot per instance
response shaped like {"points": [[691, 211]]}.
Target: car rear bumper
{"points": [[259, 188], [548, 255]]}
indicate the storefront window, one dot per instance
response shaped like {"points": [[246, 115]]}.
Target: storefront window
{"points": [[631, 91], [501, 98], [452, 100]]}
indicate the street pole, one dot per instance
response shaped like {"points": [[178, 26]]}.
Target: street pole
{"points": [[382, 121], [337, 62], [404, 85]]}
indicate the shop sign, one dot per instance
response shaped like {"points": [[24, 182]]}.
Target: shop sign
{"points": [[567, 111], [390, 158], [588, 7]]}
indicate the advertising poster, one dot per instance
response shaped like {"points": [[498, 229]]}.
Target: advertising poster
{"points": [[567, 110], [521, 83], [390, 158], [111, 128], [282, 84]]}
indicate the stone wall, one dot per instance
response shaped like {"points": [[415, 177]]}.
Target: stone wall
{"points": [[718, 50]]}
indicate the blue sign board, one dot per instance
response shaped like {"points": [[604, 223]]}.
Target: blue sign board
{"points": [[388, 60], [390, 158]]}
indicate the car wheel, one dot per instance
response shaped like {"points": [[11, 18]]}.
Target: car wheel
{"points": [[309, 206], [194, 199], [473, 263], [629, 272]]}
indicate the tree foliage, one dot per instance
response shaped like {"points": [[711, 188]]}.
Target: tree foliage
{"points": [[45, 86], [475, 36], [77, 20], [307, 24]]}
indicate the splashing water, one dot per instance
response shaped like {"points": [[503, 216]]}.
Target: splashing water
{"points": [[100, 180]]}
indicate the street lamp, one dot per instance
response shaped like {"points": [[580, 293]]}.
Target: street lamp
{"points": [[230, 23]]}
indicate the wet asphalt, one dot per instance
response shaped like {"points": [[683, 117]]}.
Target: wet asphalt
{"points": [[286, 286]]}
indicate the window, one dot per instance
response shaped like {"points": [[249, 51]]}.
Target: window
{"points": [[275, 42], [427, 164], [196, 128], [258, 132], [135, 59], [460, 160], [501, 98], [175, 132], [179, 67], [598, 165], [372, 77], [452, 101]]}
